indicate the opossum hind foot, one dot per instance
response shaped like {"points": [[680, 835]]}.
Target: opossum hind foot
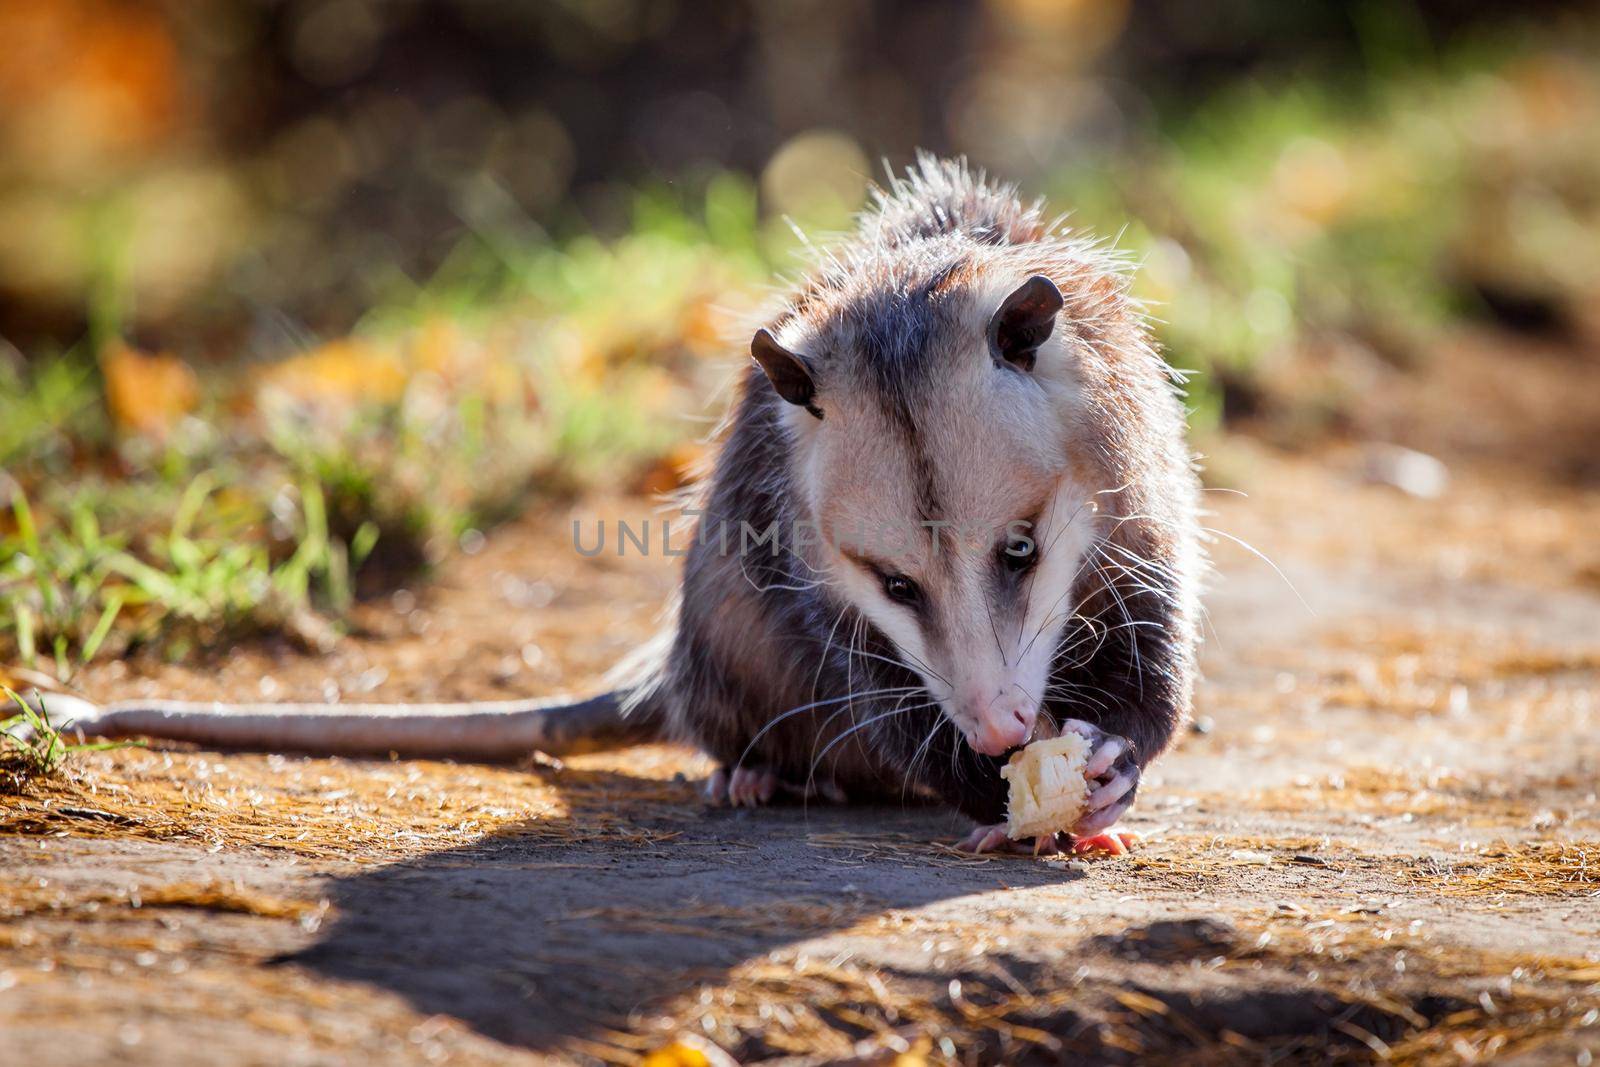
{"points": [[750, 787]]}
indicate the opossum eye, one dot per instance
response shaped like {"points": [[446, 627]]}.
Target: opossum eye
{"points": [[899, 588], [1019, 554]]}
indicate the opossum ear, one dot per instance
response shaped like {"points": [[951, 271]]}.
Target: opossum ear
{"points": [[788, 372], [1024, 322]]}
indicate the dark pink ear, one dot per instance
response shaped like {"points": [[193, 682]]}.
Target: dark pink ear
{"points": [[786, 371], [1024, 322]]}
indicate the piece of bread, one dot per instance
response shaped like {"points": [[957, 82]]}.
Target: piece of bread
{"points": [[1048, 790]]}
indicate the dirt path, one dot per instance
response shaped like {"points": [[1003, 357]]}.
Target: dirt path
{"points": [[1382, 842]]}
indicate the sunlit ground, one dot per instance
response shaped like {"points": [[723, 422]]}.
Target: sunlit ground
{"points": [[1380, 842]]}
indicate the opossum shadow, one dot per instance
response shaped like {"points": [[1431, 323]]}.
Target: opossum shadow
{"points": [[532, 941]]}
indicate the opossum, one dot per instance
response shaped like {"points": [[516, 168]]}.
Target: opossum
{"points": [[951, 510]]}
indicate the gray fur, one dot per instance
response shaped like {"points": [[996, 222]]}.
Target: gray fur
{"points": [[883, 311]]}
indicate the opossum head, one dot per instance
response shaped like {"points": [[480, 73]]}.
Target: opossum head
{"points": [[936, 447]]}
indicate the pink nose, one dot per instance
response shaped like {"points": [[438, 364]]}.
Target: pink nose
{"points": [[1001, 729]]}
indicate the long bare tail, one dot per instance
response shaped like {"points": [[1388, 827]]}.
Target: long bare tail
{"points": [[489, 732]]}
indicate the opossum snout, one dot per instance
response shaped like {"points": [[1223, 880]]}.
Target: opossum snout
{"points": [[1000, 726]]}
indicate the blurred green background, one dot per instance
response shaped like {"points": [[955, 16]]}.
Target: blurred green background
{"points": [[298, 297]]}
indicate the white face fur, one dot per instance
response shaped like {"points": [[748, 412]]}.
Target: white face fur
{"points": [[925, 530]]}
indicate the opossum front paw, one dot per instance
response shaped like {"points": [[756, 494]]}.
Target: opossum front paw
{"points": [[1113, 776], [1111, 842], [994, 839]]}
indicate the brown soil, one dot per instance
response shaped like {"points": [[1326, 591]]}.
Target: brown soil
{"points": [[1384, 842]]}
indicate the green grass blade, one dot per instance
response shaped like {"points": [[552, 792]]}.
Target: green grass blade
{"points": [[102, 628], [362, 544], [27, 531], [25, 644], [194, 496]]}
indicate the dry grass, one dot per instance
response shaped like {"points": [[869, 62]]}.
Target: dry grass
{"points": [[905, 848], [817, 1010], [1511, 1004], [1435, 793], [1374, 987], [1197, 855], [353, 811], [1476, 679], [1399, 653], [827, 1009], [1531, 869], [18, 899], [1368, 981]]}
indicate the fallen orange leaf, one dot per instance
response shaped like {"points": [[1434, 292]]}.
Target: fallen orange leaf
{"points": [[145, 392], [342, 371]]}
